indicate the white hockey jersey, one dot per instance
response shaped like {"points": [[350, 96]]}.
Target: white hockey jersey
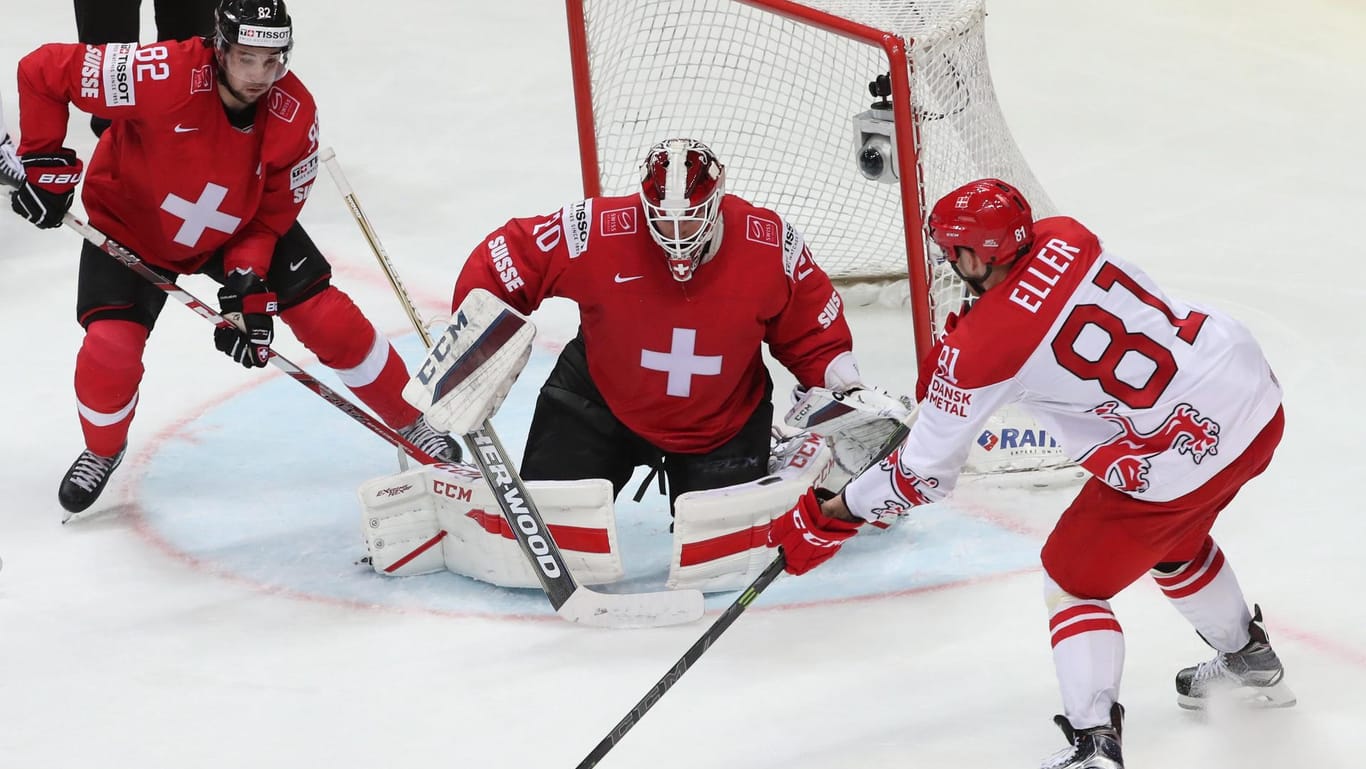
{"points": [[1151, 394]]}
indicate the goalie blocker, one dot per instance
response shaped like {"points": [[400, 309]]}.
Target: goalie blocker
{"points": [[446, 517]]}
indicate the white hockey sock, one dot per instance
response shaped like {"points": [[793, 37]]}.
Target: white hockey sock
{"points": [[1207, 594], [1088, 653]]}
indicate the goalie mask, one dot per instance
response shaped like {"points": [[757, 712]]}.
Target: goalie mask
{"points": [[682, 184], [988, 216]]}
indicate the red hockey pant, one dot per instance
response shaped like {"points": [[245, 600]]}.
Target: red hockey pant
{"points": [[1106, 539]]}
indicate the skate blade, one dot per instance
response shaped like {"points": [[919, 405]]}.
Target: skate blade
{"points": [[1278, 695]]}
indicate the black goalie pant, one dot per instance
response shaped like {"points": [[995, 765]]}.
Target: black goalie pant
{"points": [[575, 436]]}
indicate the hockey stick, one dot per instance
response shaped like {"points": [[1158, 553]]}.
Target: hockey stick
{"points": [[703, 643], [570, 600], [689, 657], [136, 264]]}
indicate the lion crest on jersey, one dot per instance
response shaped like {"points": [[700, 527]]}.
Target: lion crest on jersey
{"points": [[1123, 460]]}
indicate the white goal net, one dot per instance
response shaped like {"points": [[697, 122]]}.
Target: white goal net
{"points": [[774, 87]]}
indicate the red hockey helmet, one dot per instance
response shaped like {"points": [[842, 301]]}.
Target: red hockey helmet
{"points": [[681, 186], [988, 216]]}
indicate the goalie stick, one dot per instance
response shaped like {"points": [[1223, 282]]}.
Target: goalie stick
{"points": [[137, 265], [570, 600], [700, 646]]}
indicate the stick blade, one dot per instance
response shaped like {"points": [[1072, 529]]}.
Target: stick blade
{"points": [[632, 610]]}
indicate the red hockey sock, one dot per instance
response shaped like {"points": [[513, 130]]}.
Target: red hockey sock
{"points": [[108, 370], [333, 328]]}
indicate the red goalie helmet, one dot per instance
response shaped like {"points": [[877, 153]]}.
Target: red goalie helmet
{"points": [[988, 216], [681, 186]]}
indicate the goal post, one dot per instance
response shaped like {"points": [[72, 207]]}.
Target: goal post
{"points": [[848, 117]]}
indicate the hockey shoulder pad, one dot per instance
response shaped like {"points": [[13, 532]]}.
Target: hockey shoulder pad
{"points": [[721, 535], [472, 366]]}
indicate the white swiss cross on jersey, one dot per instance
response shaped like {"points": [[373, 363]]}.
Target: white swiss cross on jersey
{"points": [[200, 215], [681, 362]]}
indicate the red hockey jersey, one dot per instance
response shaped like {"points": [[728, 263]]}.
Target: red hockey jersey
{"points": [[680, 364], [172, 179]]}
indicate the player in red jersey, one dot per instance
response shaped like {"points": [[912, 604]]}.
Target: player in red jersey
{"points": [[210, 156], [1170, 405], [678, 287]]}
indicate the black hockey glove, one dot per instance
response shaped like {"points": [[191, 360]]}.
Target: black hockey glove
{"points": [[48, 188], [249, 305]]}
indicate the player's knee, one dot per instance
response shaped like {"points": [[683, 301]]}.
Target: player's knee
{"points": [[109, 364], [1058, 598], [114, 344], [333, 328], [1080, 573]]}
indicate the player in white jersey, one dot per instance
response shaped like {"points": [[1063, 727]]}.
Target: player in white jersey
{"points": [[1170, 405]]}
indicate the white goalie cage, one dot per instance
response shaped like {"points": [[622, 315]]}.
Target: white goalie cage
{"points": [[773, 87]]}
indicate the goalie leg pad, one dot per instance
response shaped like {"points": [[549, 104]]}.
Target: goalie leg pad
{"points": [[579, 514], [445, 516], [398, 519], [721, 535]]}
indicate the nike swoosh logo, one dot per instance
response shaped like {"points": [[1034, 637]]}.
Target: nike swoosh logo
{"points": [[618, 279], [294, 266], [183, 130]]}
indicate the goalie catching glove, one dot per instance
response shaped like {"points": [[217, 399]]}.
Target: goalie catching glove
{"points": [[858, 422], [472, 366]]}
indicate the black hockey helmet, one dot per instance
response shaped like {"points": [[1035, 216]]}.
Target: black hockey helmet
{"points": [[260, 23], [252, 24]]}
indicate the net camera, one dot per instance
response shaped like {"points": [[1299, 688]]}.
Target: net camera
{"points": [[875, 135]]}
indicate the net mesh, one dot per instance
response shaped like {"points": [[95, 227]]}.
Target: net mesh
{"points": [[775, 98]]}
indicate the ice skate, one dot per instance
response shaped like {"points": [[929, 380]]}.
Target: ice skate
{"points": [[1252, 675], [439, 446], [85, 480], [1095, 748], [11, 172]]}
